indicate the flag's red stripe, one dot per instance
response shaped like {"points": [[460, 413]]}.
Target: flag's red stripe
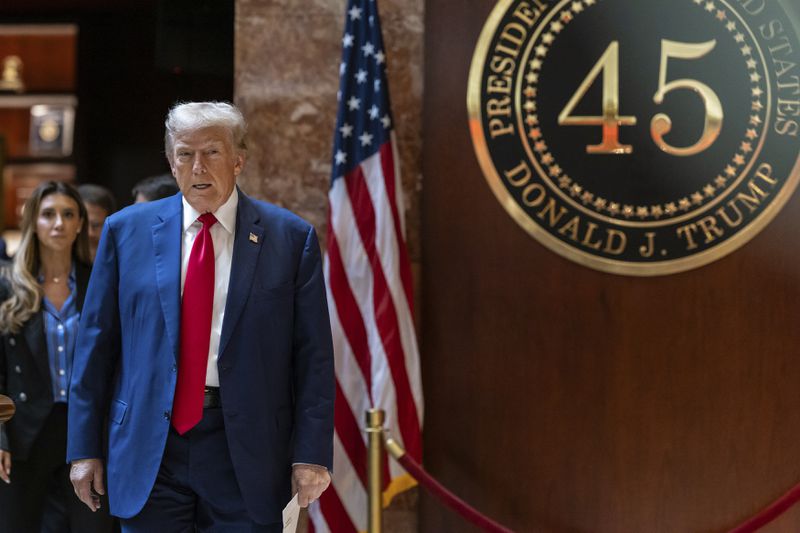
{"points": [[350, 434], [347, 308], [310, 528], [385, 314], [335, 514], [387, 163]]}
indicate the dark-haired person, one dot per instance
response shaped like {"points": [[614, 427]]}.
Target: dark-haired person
{"points": [[100, 204], [205, 340], [42, 293], [154, 188]]}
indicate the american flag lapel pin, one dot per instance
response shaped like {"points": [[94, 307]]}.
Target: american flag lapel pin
{"points": [[253, 237]]}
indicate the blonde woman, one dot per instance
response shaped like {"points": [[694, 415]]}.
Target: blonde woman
{"points": [[42, 294]]}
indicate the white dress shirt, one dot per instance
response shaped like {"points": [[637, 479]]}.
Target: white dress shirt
{"points": [[222, 234]]}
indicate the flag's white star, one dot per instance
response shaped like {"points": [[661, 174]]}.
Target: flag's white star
{"points": [[371, 20], [366, 139], [355, 13], [338, 96], [346, 129], [361, 76], [354, 103], [368, 49], [377, 85], [341, 157], [380, 57], [386, 121], [374, 112], [342, 68], [347, 40]]}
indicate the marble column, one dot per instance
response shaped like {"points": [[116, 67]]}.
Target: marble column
{"points": [[286, 79]]}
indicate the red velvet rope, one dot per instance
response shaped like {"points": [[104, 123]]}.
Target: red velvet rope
{"points": [[770, 513], [756, 522], [448, 498]]}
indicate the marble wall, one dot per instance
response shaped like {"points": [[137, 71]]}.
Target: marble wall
{"points": [[286, 80]]}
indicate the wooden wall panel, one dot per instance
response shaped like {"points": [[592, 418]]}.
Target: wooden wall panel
{"points": [[562, 399], [48, 60]]}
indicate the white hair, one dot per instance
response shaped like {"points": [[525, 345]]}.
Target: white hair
{"points": [[192, 116]]}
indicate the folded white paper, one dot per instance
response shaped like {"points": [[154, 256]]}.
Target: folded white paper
{"points": [[291, 515]]}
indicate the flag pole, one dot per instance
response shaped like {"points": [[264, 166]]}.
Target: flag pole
{"points": [[375, 419]]}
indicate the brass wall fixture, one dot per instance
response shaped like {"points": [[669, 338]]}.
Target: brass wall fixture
{"points": [[11, 80]]}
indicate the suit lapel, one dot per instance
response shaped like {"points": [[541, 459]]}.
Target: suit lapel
{"points": [[167, 248], [243, 265], [35, 339]]}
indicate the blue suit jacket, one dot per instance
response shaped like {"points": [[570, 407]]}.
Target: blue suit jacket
{"points": [[275, 364]]}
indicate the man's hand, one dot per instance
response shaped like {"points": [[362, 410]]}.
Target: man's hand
{"points": [[5, 466], [87, 479], [309, 482]]}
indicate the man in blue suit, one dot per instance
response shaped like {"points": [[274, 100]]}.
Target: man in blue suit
{"points": [[205, 348]]}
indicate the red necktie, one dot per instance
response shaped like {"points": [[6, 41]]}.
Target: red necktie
{"points": [[196, 309]]}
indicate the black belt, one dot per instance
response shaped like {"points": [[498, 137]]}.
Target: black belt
{"points": [[211, 398]]}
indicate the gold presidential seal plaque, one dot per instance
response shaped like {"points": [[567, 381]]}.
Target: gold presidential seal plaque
{"points": [[639, 137]]}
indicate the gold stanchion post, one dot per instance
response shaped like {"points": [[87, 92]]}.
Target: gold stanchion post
{"points": [[375, 419]]}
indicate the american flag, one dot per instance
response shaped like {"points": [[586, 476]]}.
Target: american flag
{"points": [[369, 282]]}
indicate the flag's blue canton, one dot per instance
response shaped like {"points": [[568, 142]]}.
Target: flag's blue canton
{"points": [[364, 119]]}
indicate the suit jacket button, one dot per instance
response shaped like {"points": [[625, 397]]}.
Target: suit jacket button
{"points": [[166, 415], [174, 368], [17, 369], [23, 397], [12, 341]]}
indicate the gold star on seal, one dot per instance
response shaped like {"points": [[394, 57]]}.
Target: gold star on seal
{"points": [[755, 120], [564, 181], [536, 64], [721, 15], [746, 50], [751, 63], [535, 134], [566, 17], [747, 147], [540, 146], [555, 171], [575, 190], [641, 212], [589, 2], [730, 171], [613, 208], [530, 92], [697, 198], [556, 26], [600, 203], [757, 105], [577, 7], [627, 211], [710, 6], [587, 197], [656, 211], [731, 26], [755, 77], [670, 208], [738, 159], [548, 38], [751, 134], [684, 204], [709, 190], [541, 50], [720, 182], [547, 159]]}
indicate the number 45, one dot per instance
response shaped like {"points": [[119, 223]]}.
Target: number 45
{"points": [[661, 124]]}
